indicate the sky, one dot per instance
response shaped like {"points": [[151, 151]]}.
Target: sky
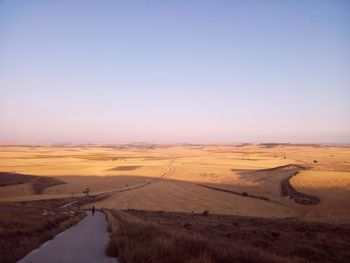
{"points": [[175, 71]]}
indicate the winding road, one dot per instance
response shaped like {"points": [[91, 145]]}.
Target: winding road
{"points": [[133, 187], [84, 242]]}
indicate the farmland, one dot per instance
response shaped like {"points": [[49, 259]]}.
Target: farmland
{"points": [[224, 179]]}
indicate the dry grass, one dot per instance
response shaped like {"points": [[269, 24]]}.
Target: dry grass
{"points": [[25, 226], [140, 236], [136, 240], [333, 187]]}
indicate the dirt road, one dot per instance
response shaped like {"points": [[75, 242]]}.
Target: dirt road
{"points": [[84, 242], [133, 187]]}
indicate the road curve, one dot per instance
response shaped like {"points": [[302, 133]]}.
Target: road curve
{"points": [[84, 242], [133, 187]]}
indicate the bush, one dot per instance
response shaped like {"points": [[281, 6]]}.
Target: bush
{"points": [[205, 213]]}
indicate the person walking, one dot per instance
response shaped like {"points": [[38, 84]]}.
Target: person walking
{"points": [[93, 210]]}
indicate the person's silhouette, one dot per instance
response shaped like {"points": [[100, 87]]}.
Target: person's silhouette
{"points": [[93, 210]]}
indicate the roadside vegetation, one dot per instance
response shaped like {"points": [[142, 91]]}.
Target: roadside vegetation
{"points": [[141, 236], [24, 226]]}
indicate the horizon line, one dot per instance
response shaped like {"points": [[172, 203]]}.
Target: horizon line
{"points": [[182, 143]]}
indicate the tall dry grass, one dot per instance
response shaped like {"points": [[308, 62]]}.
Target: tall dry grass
{"points": [[25, 226], [135, 240]]}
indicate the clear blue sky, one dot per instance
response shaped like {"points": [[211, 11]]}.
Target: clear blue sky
{"points": [[189, 71]]}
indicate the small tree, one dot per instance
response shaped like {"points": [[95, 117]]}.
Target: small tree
{"points": [[205, 213], [86, 192]]}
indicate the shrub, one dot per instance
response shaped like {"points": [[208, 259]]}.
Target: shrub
{"points": [[205, 213]]}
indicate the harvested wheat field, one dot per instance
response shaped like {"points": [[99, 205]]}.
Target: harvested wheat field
{"points": [[309, 182]]}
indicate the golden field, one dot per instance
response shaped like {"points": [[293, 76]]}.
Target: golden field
{"points": [[191, 178]]}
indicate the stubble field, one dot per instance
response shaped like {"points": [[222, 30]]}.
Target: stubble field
{"points": [[237, 180]]}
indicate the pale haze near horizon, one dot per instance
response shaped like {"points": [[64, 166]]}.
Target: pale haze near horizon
{"points": [[181, 71]]}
